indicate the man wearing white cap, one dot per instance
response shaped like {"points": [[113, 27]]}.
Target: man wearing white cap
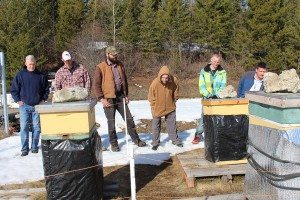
{"points": [[72, 74]]}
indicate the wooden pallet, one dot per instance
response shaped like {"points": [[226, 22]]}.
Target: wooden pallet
{"points": [[197, 166]]}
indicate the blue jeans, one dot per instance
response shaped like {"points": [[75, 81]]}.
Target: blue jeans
{"points": [[28, 116], [200, 128]]}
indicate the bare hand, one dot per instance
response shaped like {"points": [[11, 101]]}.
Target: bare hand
{"points": [[105, 103], [21, 103]]}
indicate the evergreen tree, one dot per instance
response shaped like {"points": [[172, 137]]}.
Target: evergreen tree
{"points": [[241, 41], [107, 16], [70, 17], [25, 30], [148, 30], [216, 22], [14, 34], [129, 30], [41, 34], [273, 33], [172, 20]]}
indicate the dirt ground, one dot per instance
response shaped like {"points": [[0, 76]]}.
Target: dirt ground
{"points": [[155, 182], [166, 182]]}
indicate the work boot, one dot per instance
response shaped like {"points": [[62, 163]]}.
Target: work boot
{"points": [[34, 150], [196, 139], [155, 147], [24, 153], [115, 148], [139, 143], [179, 144]]}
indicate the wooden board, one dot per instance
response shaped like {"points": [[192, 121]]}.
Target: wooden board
{"points": [[255, 120], [232, 162], [281, 100], [240, 109], [232, 101], [197, 166]]}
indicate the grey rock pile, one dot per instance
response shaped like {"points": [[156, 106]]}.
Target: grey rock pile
{"points": [[227, 92], [287, 81], [70, 94]]}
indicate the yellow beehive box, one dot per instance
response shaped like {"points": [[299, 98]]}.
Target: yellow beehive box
{"points": [[234, 106], [67, 118]]}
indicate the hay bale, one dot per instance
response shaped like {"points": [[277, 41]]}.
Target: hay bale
{"points": [[70, 94]]}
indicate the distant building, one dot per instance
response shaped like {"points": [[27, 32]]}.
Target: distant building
{"points": [[97, 45]]}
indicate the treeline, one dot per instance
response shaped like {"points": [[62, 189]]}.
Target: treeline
{"points": [[154, 31]]}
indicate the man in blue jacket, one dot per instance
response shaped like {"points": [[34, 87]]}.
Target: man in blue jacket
{"points": [[252, 80], [29, 88]]}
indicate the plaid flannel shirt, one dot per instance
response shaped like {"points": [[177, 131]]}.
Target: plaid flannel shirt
{"points": [[77, 76]]}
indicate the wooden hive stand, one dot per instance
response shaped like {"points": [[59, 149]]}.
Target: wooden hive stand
{"points": [[194, 165]]}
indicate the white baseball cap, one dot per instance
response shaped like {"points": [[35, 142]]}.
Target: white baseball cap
{"points": [[66, 56]]}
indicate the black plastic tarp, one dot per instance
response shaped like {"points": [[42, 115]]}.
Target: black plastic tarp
{"points": [[225, 137], [73, 168]]}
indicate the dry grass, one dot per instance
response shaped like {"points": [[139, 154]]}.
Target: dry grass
{"points": [[2, 133], [39, 196], [166, 181], [33, 184]]}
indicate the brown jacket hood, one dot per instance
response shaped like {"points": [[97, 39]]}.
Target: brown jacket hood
{"points": [[162, 97], [163, 70]]}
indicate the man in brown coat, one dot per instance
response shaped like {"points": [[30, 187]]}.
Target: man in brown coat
{"points": [[110, 87], [163, 94]]}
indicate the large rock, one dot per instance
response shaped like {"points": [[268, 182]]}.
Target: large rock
{"points": [[70, 94], [290, 80], [287, 81], [271, 82], [227, 92]]}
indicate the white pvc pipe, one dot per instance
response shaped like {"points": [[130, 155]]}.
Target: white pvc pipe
{"points": [[4, 100], [132, 174], [126, 130]]}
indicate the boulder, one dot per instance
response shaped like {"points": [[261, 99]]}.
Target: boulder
{"points": [[271, 82], [70, 94], [227, 92], [287, 81]]}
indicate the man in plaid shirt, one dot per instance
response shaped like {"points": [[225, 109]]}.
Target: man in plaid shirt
{"points": [[72, 74]]}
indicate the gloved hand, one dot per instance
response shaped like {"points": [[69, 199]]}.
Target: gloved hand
{"points": [[214, 97]]}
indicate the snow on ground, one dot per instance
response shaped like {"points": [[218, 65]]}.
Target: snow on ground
{"points": [[17, 169]]}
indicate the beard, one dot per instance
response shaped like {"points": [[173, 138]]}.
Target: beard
{"points": [[112, 60]]}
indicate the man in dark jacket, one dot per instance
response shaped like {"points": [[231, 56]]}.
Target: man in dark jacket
{"points": [[111, 87], [29, 88], [252, 80]]}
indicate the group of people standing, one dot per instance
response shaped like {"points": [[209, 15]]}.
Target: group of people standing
{"points": [[213, 78], [110, 86]]}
